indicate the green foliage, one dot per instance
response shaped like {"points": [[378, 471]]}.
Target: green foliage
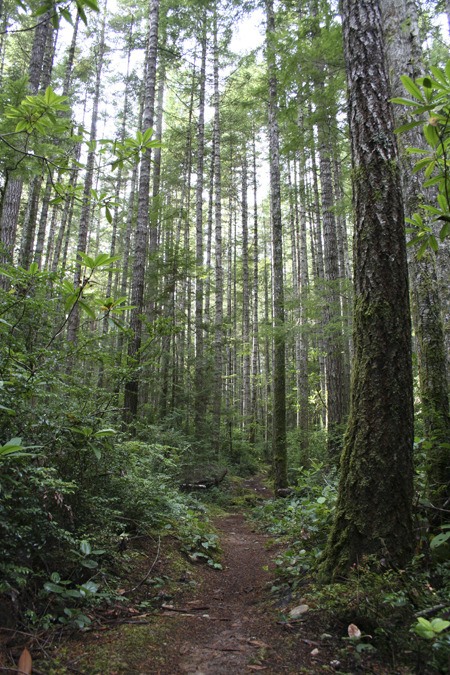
{"points": [[38, 113], [198, 542], [303, 519], [430, 629], [431, 98], [61, 9]]}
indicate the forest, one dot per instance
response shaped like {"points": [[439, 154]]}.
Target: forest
{"points": [[225, 323]]}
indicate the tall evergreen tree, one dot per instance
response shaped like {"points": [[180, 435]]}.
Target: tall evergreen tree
{"points": [[373, 512], [279, 350]]}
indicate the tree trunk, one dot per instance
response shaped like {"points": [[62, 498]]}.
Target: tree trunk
{"points": [[245, 301], [279, 368], [403, 49], [336, 388], [140, 242], [85, 216], [8, 222], [218, 319], [373, 511], [201, 396], [255, 294], [13, 188]]}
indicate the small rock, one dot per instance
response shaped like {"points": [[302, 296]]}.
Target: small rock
{"points": [[297, 612], [314, 652]]}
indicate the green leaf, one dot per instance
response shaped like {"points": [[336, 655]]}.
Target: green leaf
{"points": [[72, 593], [439, 624], [14, 442], [422, 250], [102, 433], [445, 231], [439, 76], [439, 539], [433, 181], [86, 260], [407, 127], [412, 87], [433, 243], [87, 309], [89, 564], [89, 587], [431, 135], [53, 588], [403, 101], [422, 163], [85, 547], [105, 259]]}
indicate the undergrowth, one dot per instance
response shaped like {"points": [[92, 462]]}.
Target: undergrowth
{"points": [[401, 614]]}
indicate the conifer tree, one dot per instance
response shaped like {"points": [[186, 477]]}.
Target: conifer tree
{"points": [[373, 512]]}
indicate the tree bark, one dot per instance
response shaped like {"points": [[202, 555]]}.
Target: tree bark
{"points": [[279, 369], [218, 318], [201, 396], [85, 215], [403, 49], [141, 237], [373, 511]]}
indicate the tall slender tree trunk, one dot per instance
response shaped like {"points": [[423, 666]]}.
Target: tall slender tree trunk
{"points": [[255, 324], [302, 342], [201, 393], [85, 216], [337, 390], [218, 319], [246, 405], [141, 237], [373, 511], [279, 367]]}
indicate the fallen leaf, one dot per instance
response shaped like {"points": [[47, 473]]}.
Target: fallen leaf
{"points": [[25, 664], [353, 632]]}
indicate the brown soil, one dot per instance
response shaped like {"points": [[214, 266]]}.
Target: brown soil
{"points": [[235, 631]]}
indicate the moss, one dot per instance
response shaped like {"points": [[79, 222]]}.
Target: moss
{"points": [[126, 649]]}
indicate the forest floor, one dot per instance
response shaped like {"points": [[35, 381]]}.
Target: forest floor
{"points": [[215, 622]]}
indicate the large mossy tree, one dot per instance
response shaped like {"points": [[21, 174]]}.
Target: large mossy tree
{"points": [[373, 514]]}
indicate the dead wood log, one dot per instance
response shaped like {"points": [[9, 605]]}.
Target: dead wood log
{"points": [[204, 483]]}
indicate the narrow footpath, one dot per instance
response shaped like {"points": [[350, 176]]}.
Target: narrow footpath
{"points": [[216, 622], [227, 624]]}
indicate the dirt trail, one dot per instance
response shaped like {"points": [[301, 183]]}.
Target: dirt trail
{"points": [[226, 637], [234, 630]]}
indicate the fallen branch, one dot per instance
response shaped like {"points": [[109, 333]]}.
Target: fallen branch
{"points": [[430, 610], [171, 608], [132, 590], [204, 483]]}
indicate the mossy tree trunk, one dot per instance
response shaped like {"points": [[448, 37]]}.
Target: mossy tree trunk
{"points": [[404, 55], [373, 513]]}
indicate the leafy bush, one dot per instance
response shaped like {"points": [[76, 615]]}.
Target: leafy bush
{"points": [[303, 519]]}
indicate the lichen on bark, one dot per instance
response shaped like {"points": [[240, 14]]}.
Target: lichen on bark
{"points": [[373, 513]]}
